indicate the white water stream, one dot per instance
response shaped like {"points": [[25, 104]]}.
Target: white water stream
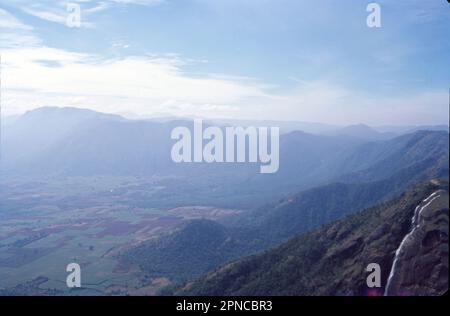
{"points": [[415, 223]]}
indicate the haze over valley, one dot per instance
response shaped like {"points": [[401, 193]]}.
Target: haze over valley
{"points": [[102, 190]]}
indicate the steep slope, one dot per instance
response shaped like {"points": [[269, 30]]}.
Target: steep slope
{"points": [[324, 204], [310, 160], [178, 254], [420, 265], [417, 150], [333, 259]]}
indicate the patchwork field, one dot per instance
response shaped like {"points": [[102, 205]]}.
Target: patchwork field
{"points": [[46, 225]]}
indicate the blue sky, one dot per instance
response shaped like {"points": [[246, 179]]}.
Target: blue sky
{"points": [[253, 59]]}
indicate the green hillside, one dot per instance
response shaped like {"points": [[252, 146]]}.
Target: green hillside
{"points": [[332, 260]]}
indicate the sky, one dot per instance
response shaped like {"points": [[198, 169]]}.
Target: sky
{"points": [[315, 61]]}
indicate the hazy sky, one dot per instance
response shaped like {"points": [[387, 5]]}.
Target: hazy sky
{"points": [[254, 59]]}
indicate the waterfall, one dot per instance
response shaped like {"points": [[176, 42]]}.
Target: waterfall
{"points": [[415, 223]]}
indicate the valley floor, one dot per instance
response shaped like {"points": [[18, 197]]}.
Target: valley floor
{"points": [[46, 225]]}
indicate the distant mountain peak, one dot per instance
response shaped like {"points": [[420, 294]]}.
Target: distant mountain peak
{"points": [[55, 110], [362, 131], [63, 116], [359, 127]]}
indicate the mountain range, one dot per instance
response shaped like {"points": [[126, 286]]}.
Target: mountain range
{"points": [[63, 142], [342, 197]]}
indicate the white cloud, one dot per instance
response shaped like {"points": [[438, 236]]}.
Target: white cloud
{"points": [[15, 33], [134, 84], [56, 10], [35, 76], [55, 15], [8, 21]]}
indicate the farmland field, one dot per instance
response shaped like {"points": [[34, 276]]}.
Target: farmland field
{"points": [[48, 224]]}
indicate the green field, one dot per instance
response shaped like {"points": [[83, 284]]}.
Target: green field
{"points": [[46, 225]]}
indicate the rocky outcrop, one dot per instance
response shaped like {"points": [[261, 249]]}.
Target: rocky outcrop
{"points": [[421, 263]]}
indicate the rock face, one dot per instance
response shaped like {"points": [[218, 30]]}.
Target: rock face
{"points": [[421, 267], [333, 259]]}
